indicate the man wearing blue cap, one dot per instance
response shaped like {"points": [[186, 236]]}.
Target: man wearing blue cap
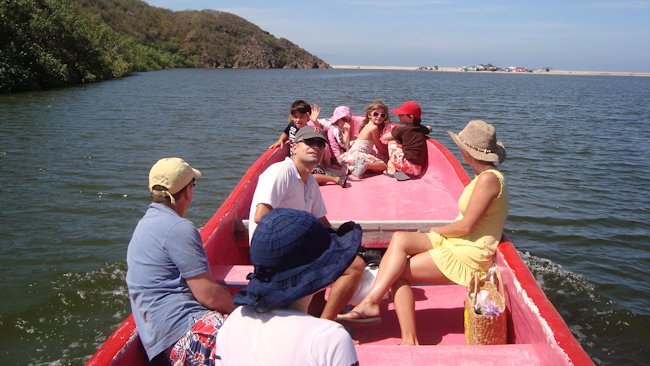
{"points": [[290, 184]]}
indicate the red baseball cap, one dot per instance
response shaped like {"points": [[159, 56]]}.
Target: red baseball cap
{"points": [[411, 108]]}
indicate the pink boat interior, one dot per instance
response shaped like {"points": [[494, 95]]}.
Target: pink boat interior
{"points": [[537, 335]]}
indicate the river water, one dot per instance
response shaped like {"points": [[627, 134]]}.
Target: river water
{"points": [[74, 165]]}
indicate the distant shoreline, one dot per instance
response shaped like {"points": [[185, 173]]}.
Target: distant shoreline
{"points": [[460, 69]]}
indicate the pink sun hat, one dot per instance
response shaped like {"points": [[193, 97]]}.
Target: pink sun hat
{"points": [[340, 112]]}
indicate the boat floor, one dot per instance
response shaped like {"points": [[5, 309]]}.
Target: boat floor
{"points": [[438, 315], [416, 199], [440, 330]]}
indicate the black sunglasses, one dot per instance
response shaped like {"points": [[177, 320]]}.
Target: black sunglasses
{"points": [[377, 114], [314, 142]]}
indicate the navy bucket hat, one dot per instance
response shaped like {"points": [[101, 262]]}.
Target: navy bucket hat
{"points": [[295, 255]]}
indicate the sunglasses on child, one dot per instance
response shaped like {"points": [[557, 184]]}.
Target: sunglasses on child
{"points": [[377, 114], [314, 142]]}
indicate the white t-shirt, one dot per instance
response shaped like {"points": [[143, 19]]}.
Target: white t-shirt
{"points": [[283, 337], [280, 186]]}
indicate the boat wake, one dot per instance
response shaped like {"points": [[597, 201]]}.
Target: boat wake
{"points": [[587, 313], [88, 305]]}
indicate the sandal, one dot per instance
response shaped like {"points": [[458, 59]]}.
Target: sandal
{"points": [[401, 176], [360, 321], [343, 179]]}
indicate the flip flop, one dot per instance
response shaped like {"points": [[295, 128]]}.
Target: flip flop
{"points": [[342, 180], [388, 174], [401, 176], [360, 321]]}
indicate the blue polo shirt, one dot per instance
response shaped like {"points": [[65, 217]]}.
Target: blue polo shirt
{"points": [[164, 250]]}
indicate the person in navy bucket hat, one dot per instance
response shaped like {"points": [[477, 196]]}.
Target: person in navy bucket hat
{"points": [[294, 256]]}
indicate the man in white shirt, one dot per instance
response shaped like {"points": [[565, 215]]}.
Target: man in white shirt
{"points": [[290, 184]]}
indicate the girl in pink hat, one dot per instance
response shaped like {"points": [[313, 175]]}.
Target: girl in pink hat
{"points": [[338, 135]]}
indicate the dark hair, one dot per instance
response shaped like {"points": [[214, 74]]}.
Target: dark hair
{"points": [[300, 106], [417, 121]]}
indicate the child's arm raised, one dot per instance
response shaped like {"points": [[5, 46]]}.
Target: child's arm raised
{"points": [[313, 117]]}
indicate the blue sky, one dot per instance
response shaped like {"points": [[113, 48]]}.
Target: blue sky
{"points": [[577, 35]]}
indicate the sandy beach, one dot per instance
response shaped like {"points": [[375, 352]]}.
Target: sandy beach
{"points": [[460, 69]]}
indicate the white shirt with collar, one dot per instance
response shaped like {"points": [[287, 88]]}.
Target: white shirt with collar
{"points": [[280, 186]]}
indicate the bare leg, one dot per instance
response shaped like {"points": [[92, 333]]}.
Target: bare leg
{"points": [[420, 268], [391, 268], [405, 309], [323, 179], [376, 167], [343, 289], [390, 168]]}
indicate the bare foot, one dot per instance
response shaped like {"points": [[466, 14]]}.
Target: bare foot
{"points": [[410, 342]]}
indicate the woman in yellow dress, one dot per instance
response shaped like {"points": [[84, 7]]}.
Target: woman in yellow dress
{"points": [[450, 252]]}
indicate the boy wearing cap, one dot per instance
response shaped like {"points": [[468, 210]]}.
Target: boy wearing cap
{"points": [[407, 146], [290, 184], [294, 256], [176, 304]]}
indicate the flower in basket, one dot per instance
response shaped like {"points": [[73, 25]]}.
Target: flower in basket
{"points": [[490, 309], [485, 305]]}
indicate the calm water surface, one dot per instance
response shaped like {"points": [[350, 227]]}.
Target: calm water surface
{"points": [[74, 164]]}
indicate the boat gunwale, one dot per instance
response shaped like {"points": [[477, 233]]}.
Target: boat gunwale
{"points": [[532, 295]]}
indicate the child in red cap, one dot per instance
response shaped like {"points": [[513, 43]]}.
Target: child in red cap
{"points": [[407, 146]]}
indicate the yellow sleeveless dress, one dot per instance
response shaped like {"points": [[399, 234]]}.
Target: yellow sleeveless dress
{"points": [[459, 258]]}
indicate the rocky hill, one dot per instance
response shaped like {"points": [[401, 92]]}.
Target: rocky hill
{"points": [[53, 43], [209, 39]]}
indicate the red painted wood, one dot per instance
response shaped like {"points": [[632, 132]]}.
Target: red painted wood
{"points": [[532, 317]]}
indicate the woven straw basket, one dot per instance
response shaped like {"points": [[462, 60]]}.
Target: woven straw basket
{"points": [[485, 329]]}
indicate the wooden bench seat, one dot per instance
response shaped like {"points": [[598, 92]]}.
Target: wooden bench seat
{"points": [[231, 275], [376, 233]]}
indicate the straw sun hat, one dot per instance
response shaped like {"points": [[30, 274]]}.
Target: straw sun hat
{"points": [[479, 140], [294, 255]]}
